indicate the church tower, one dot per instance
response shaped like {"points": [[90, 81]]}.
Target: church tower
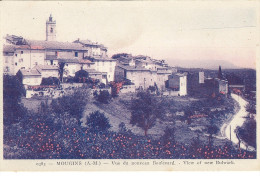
{"points": [[50, 29]]}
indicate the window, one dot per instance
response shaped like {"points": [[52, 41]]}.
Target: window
{"points": [[56, 53], [21, 52], [51, 62], [51, 30], [15, 63], [67, 64], [6, 69], [76, 54], [22, 67], [21, 60], [15, 55]]}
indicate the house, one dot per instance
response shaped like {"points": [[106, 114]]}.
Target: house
{"points": [[94, 48], [8, 59], [29, 77], [104, 64], [178, 83]]}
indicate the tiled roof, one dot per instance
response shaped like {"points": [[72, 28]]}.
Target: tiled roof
{"points": [[30, 72], [46, 67], [8, 48], [69, 60], [93, 71], [85, 61], [131, 68], [56, 45], [99, 58]]}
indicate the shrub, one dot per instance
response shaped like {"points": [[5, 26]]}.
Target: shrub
{"points": [[122, 128], [81, 76], [98, 122], [50, 81], [103, 96]]}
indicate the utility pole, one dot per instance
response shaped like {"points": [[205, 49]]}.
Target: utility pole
{"points": [[230, 132]]}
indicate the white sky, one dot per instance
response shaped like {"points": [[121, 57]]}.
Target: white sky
{"points": [[222, 30]]}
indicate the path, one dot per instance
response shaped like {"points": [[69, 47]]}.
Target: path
{"points": [[237, 121]]}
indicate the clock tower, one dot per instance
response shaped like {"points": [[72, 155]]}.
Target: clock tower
{"points": [[50, 29]]}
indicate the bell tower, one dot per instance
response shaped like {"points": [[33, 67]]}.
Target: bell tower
{"points": [[50, 29]]}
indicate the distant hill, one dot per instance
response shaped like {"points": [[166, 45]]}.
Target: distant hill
{"points": [[205, 64]]}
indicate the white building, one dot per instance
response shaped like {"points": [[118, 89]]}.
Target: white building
{"points": [[30, 77], [178, 83]]}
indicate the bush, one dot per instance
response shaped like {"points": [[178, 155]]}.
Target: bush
{"points": [[98, 122], [50, 81], [81, 76], [122, 128], [103, 96], [169, 135]]}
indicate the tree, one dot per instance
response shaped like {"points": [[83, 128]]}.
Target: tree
{"points": [[220, 76], [74, 103], [248, 132], [61, 70], [98, 122], [145, 110], [169, 135], [13, 90]]}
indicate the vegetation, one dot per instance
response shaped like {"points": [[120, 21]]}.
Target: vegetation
{"points": [[73, 104], [50, 81], [12, 92], [103, 96], [61, 70], [145, 110], [97, 122], [81, 76], [248, 132]]}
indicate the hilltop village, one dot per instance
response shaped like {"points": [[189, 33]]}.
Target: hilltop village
{"points": [[33, 61], [70, 100]]}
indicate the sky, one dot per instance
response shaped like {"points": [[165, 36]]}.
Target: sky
{"points": [[170, 30]]}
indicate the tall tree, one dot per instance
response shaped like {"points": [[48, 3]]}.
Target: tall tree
{"points": [[61, 70], [220, 76], [145, 110], [13, 90]]}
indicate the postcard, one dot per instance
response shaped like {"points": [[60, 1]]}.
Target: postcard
{"points": [[129, 86]]}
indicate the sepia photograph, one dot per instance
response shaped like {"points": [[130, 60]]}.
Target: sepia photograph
{"points": [[131, 85]]}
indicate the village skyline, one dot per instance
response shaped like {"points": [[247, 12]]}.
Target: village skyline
{"points": [[175, 35]]}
